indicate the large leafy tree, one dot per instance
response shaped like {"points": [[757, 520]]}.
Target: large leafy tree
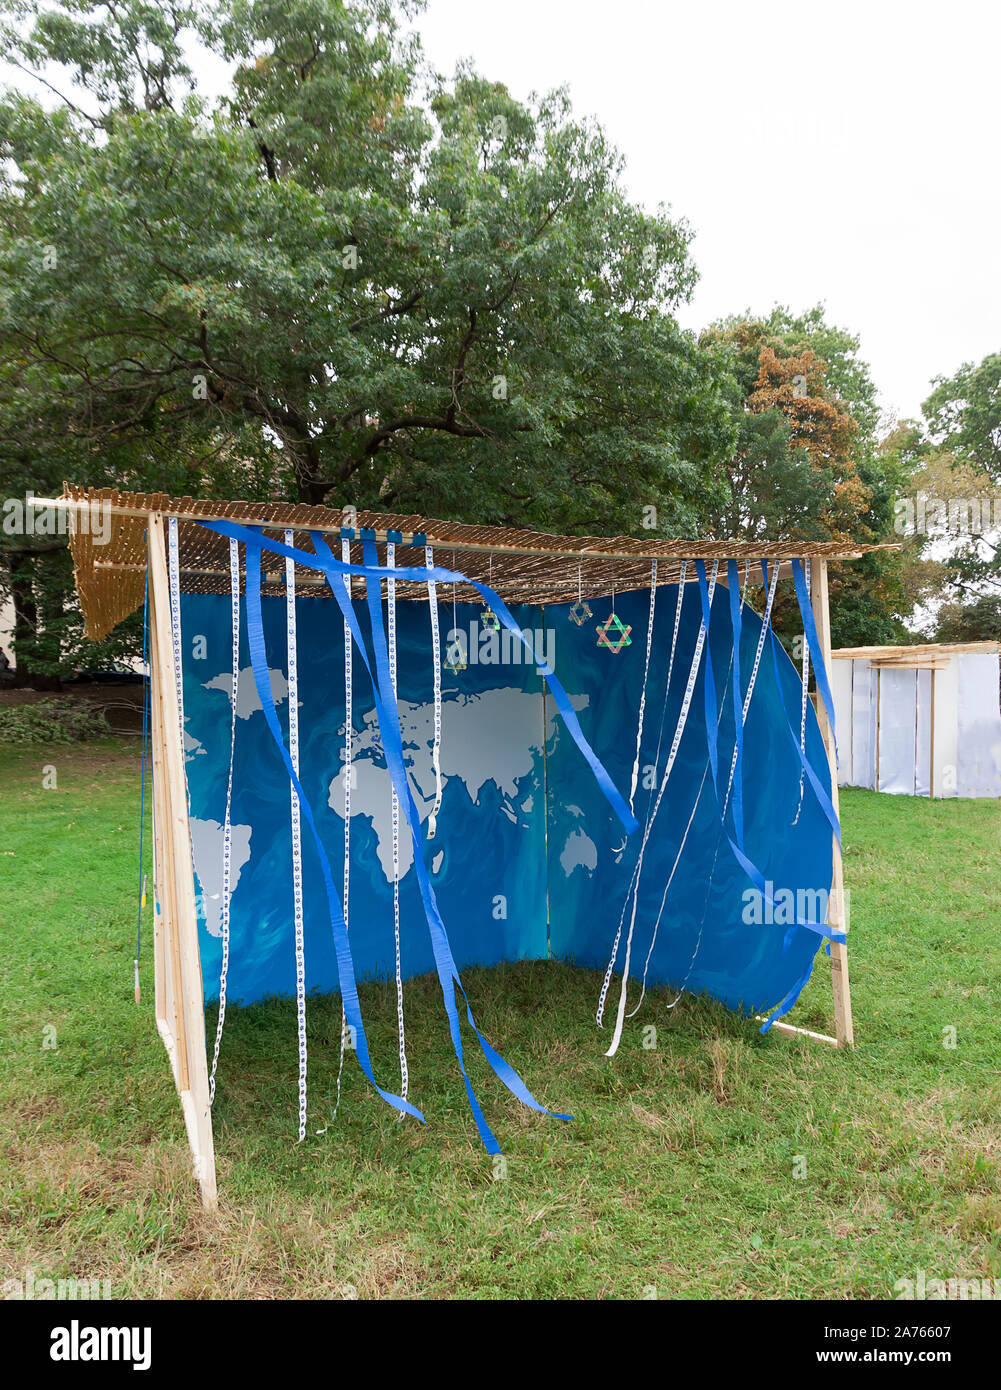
{"points": [[807, 464], [448, 305], [345, 280]]}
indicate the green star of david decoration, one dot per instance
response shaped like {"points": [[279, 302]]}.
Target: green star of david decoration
{"points": [[454, 661], [622, 630], [580, 612], [490, 620]]}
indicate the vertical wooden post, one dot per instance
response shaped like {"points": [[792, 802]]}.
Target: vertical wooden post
{"points": [[931, 739], [179, 991], [844, 1028], [166, 1012]]}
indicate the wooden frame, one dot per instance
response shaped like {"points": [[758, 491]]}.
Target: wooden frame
{"points": [[844, 1030], [180, 1007], [180, 1013], [836, 916]]}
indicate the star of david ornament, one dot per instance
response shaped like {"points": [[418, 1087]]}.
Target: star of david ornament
{"points": [[490, 620], [454, 659], [614, 624], [580, 612]]}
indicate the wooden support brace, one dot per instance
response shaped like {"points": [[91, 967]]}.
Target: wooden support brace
{"points": [[179, 995], [837, 917], [801, 1032]]}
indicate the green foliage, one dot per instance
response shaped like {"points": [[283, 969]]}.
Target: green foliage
{"points": [[949, 497], [977, 620], [450, 308], [964, 414], [64, 720], [327, 287], [807, 464]]}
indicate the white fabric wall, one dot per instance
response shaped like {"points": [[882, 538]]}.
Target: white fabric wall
{"points": [[840, 676], [863, 725], [956, 708], [897, 722], [922, 734], [978, 770], [946, 750]]}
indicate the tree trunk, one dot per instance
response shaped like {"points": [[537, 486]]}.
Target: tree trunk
{"points": [[22, 589]]}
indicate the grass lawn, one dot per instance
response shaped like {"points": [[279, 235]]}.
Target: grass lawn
{"points": [[677, 1178]]}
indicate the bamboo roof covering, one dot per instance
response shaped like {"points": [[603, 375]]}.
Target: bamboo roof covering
{"points": [[522, 566]]}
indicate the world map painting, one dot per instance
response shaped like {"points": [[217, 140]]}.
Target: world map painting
{"points": [[528, 861]]}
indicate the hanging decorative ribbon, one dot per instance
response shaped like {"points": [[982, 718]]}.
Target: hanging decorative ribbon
{"points": [[740, 718], [675, 744], [392, 743], [804, 700], [824, 800], [646, 673], [810, 631], [254, 543], [227, 827], [293, 748], [389, 726], [789, 1001], [436, 661], [756, 877], [698, 795], [174, 575], [142, 784], [347, 773], [395, 817]]}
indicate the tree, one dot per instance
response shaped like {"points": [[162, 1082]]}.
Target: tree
{"points": [[453, 306], [961, 458], [807, 464], [325, 288]]}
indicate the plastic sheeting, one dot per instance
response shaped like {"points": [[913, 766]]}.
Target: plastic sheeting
{"points": [[920, 732], [978, 752], [528, 861]]}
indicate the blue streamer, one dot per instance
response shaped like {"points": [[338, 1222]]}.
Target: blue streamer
{"points": [[142, 775], [421, 574], [752, 871], [345, 964], [827, 805], [810, 628], [388, 719], [736, 622], [387, 714]]}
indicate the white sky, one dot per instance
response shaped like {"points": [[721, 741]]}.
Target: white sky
{"points": [[838, 152]]}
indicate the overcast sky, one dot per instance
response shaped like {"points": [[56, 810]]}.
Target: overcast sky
{"points": [[838, 152], [844, 153]]}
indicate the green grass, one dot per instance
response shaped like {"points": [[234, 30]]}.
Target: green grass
{"points": [[677, 1174]]}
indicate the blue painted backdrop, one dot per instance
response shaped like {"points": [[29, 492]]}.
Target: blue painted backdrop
{"points": [[529, 860]]}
